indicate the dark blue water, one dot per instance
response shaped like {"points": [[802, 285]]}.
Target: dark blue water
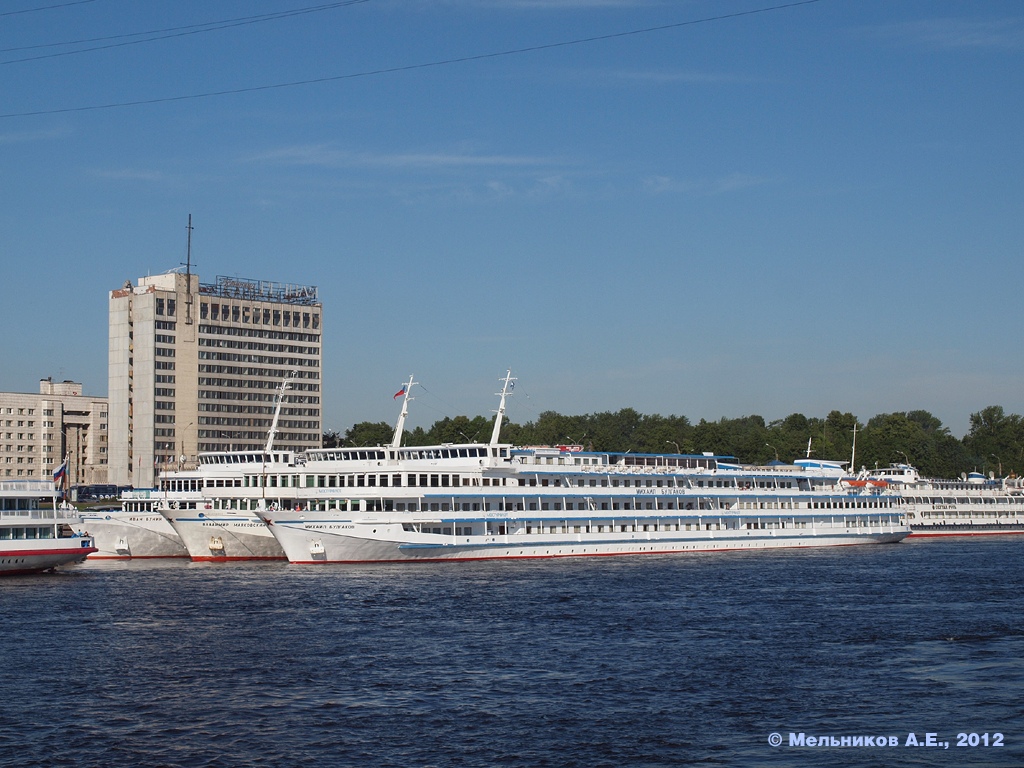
{"points": [[645, 661]]}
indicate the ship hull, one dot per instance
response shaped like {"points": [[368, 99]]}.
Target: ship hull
{"points": [[224, 538], [966, 529], [378, 543], [123, 535], [43, 555]]}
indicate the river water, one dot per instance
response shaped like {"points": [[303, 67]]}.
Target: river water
{"points": [[624, 661]]}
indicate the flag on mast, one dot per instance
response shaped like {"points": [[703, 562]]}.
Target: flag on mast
{"points": [[60, 471]]}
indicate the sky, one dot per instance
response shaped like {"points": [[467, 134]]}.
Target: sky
{"points": [[701, 208]]}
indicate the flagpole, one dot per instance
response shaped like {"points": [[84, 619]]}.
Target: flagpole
{"points": [[60, 477]]}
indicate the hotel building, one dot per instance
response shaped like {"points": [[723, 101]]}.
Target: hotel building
{"points": [[198, 367]]}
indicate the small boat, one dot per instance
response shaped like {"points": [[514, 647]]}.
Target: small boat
{"points": [[36, 529]]}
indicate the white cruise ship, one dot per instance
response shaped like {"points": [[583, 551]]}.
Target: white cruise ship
{"points": [[491, 501], [973, 505]]}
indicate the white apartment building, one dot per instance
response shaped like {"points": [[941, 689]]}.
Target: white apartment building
{"points": [[38, 430], [197, 367]]}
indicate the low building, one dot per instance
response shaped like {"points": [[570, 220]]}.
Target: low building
{"points": [[37, 431]]}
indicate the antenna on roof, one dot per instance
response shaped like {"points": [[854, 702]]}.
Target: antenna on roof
{"points": [[188, 274]]}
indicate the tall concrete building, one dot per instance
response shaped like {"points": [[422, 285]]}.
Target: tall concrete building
{"points": [[38, 431], [197, 367]]}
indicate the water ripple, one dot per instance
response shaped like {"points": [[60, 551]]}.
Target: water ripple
{"points": [[653, 661]]}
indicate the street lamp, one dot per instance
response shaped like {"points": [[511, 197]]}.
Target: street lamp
{"points": [[181, 456], [1000, 463], [673, 442], [776, 451]]}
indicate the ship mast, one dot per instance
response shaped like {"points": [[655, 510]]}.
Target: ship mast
{"points": [[507, 386], [396, 441], [277, 410], [853, 451]]}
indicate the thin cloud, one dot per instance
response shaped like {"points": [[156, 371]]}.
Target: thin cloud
{"points": [[733, 182], [952, 34], [328, 157], [664, 77], [553, 5], [129, 174], [26, 137]]}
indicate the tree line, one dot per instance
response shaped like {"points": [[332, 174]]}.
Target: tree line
{"points": [[994, 443]]}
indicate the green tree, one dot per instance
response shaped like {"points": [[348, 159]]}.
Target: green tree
{"points": [[461, 429], [995, 441], [368, 433]]}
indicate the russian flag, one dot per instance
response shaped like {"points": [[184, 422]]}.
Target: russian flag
{"points": [[399, 393], [58, 473]]}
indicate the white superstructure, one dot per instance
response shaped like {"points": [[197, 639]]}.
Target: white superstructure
{"points": [[35, 530]]}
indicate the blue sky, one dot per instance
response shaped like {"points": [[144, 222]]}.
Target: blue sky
{"points": [[794, 210]]}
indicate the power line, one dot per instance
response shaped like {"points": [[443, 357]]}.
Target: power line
{"points": [[411, 67], [164, 34], [46, 8]]}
